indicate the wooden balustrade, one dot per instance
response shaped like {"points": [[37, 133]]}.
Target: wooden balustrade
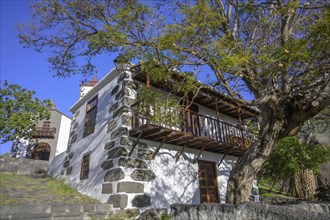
{"points": [[180, 119]]}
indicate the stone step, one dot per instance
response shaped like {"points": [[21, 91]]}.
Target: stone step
{"points": [[95, 211]]}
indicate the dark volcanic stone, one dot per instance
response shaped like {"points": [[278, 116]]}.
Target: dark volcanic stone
{"points": [[132, 163], [117, 152], [114, 175], [69, 170], [107, 164], [130, 187], [128, 101], [112, 125], [118, 200], [74, 138], [66, 164], [120, 111], [126, 120], [141, 201], [109, 145], [115, 90], [126, 141], [145, 154], [119, 132], [143, 175], [106, 188], [113, 107], [122, 77], [75, 125]]}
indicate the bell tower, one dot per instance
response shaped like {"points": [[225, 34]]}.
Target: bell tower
{"points": [[87, 86]]}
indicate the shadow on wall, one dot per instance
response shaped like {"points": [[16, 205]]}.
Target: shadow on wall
{"points": [[224, 172], [176, 182], [56, 166], [95, 146]]}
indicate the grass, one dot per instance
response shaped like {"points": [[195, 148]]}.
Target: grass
{"points": [[266, 191], [18, 189]]}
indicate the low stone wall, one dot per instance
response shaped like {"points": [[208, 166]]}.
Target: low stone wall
{"points": [[23, 166], [252, 211]]}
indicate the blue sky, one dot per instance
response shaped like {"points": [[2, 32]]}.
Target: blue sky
{"points": [[30, 69]]}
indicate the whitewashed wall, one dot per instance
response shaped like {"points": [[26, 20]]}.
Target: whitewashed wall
{"points": [[93, 143], [63, 136], [177, 182]]}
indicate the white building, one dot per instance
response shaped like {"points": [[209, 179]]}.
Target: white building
{"points": [[49, 139], [120, 156]]}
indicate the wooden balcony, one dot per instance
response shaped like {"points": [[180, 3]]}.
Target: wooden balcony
{"points": [[189, 129], [44, 132]]}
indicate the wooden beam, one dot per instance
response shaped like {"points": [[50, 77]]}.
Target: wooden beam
{"points": [[158, 148], [160, 135], [136, 143], [220, 162], [199, 153], [151, 133], [174, 137], [181, 152]]}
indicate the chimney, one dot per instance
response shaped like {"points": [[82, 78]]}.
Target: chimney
{"points": [[87, 86]]}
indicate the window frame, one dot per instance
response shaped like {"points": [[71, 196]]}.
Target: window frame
{"points": [[85, 166], [90, 116]]}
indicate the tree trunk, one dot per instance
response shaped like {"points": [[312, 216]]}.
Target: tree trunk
{"points": [[245, 169]]}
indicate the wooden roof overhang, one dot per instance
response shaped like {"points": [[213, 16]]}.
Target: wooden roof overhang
{"points": [[183, 139], [206, 96]]}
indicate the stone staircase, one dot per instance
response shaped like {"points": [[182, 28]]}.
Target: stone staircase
{"points": [[57, 212]]}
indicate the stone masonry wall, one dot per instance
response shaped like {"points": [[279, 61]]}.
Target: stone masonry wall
{"points": [[125, 176], [23, 166], [249, 211]]}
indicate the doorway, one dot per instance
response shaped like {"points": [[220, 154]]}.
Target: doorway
{"points": [[208, 184], [41, 151]]}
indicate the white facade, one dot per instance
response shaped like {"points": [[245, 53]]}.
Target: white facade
{"points": [[134, 181], [63, 136]]}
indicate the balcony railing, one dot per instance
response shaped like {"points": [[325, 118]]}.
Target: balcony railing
{"points": [[44, 132], [180, 119]]}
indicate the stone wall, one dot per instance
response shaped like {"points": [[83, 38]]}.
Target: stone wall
{"points": [[250, 211], [23, 166], [125, 174]]}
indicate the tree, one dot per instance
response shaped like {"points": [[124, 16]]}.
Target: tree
{"points": [[292, 156], [276, 50], [20, 112]]}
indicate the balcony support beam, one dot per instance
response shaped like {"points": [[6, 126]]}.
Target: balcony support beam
{"points": [[181, 152], [136, 143], [220, 162], [199, 153], [158, 148]]}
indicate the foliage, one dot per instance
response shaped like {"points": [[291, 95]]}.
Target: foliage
{"points": [[159, 108], [291, 156], [20, 112]]}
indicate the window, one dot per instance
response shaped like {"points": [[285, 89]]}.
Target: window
{"points": [[90, 117], [84, 172]]}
